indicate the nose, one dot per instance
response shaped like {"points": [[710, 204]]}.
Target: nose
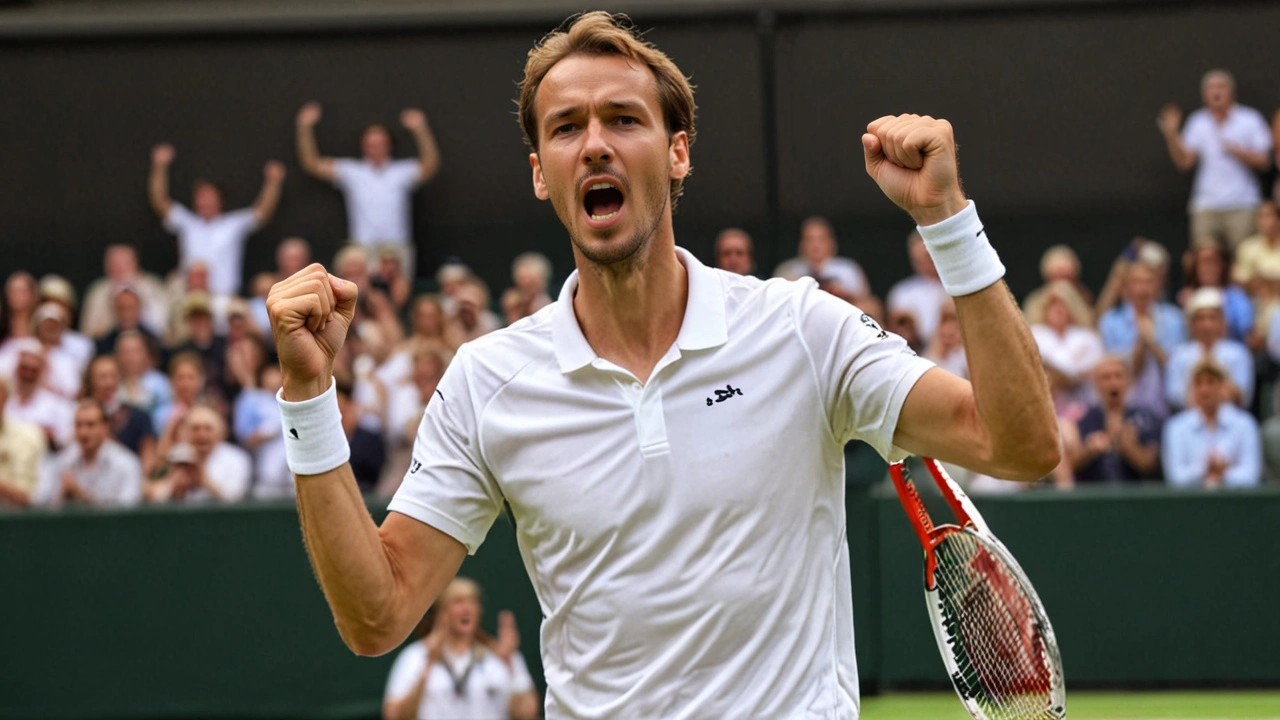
{"points": [[596, 149]]}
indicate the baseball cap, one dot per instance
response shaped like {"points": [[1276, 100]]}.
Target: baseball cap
{"points": [[1205, 298]]}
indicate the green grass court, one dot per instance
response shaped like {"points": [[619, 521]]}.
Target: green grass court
{"points": [[1093, 706]]}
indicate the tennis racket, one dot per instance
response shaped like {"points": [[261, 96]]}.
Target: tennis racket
{"points": [[992, 631]]}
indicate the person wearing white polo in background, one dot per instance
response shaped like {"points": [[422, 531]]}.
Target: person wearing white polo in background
{"points": [[669, 438], [378, 189], [1228, 144], [208, 234]]}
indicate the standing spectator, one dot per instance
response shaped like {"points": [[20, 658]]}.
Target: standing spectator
{"points": [[1212, 443], [1118, 441], [32, 402], [127, 307], [129, 426], [20, 300], [208, 233], [1059, 262], [141, 384], [1228, 144], [121, 265], [921, 294], [1209, 339], [258, 430], [204, 467], [459, 672], [96, 470], [1208, 267], [1146, 331], [818, 259], [57, 290], [377, 188], [1069, 347], [22, 448], [735, 252]]}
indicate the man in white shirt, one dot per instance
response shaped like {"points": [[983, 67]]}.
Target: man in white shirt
{"points": [[818, 259], [32, 402], [378, 189], [96, 470], [204, 468], [1228, 144], [669, 438], [922, 294], [735, 252], [208, 234]]}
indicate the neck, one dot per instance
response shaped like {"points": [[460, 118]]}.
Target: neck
{"points": [[89, 455], [1220, 114], [1210, 413], [1113, 408], [632, 314], [460, 643], [1207, 344]]}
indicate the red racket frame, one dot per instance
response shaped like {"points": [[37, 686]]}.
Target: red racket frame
{"points": [[931, 535]]}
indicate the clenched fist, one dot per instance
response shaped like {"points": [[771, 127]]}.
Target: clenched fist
{"points": [[309, 114], [310, 313], [913, 160]]}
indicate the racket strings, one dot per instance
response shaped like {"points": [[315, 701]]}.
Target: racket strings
{"points": [[992, 630]]}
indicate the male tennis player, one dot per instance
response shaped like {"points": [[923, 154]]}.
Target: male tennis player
{"points": [[669, 437]]}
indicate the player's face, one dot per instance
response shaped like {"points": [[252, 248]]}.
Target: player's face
{"points": [[604, 159], [91, 429]]}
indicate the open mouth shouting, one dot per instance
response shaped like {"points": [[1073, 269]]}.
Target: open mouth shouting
{"points": [[602, 201]]}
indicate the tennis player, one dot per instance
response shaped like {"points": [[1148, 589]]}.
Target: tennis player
{"points": [[669, 437]]}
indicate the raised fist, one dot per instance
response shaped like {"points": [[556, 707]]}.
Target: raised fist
{"points": [[1169, 119], [309, 114], [913, 160], [310, 313], [413, 119], [273, 171], [162, 154]]}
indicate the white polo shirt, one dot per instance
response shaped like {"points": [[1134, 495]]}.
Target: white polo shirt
{"points": [[1223, 181], [218, 243], [378, 207], [484, 694], [686, 537]]}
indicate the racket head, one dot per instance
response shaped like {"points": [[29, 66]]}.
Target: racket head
{"points": [[992, 630]]}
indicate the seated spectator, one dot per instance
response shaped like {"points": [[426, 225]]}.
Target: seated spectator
{"points": [[735, 251], [200, 337], [127, 307], [391, 278], [141, 384], [122, 271], [818, 259], [1146, 331], [1069, 346], [258, 430], [1208, 339], [1140, 250], [208, 234], [406, 403], [368, 451], [904, 324], [921, 294], [187, 380], [129, 426], [530, 273], [96, 470], [426, 328], [459, 671], [245, 359], [20, 301], [64, 373], [57, 290], [292, 255], [203, 467], [1118, 441], [1212, 443], [22, 449], [451, 275], [1257, 266], [30, 401], [1058, 263], [946, 349], [471, 317], [1207, 268]]}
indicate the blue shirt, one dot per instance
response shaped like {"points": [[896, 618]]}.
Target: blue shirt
{"points": [[1230, 354], [1188, 440], [1111, 466], [1237, 309], [1119, 330]]}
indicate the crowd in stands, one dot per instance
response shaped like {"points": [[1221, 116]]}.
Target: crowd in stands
{"points": [[162, 390]]}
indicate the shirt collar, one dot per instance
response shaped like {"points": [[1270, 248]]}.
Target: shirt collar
{"points": [[704, 325]]}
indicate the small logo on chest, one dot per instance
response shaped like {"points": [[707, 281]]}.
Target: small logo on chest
{"points": [[722, 395]]}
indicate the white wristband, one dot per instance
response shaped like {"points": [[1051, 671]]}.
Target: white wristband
{"points": [[960, 250], [314, 442]]}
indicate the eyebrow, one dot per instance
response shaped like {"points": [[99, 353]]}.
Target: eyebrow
{"points": [[614, 105]]}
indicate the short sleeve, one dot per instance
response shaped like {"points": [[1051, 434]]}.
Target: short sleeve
{"points": [[405, 671], [863, 372], [242, 221], [343, 168], [178, 219], [448, 485], [521, 681], [1195, 133], [1260, 139], [407, 173]]}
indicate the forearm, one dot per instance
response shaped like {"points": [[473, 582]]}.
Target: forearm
{"points": [[1182, 158], [268, 198], [1259, 161], [428, 152], [308, 152], [158, 189], [524, 705], [1140, 457], [14, 495]]}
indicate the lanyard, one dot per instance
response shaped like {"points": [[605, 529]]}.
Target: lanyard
{"points": [[460, 679]]}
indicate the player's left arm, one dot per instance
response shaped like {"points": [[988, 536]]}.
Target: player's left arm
{"points": [[415, 121], [1001, 422]]}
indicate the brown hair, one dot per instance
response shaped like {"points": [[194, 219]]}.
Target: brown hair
{"points": [[601, 33]]}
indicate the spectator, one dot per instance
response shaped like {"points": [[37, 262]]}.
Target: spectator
{"points": [[22, 449], [31, 402], [141, 385], [1227, 144], [201, 339], [1059, 262], [426, 328], [405, 404], [921, 294], [1140, 250], [57, 290], [204, 467], [1207, 267], [209, 234], [839, 276], [64, 372], [127, 307], [459, 672], [531, 273], [121, 265], [96, 470], [946, 349], [1118, 441], [258, 430], [368, 451], [244, 361], [1212, 443], [352, 263], [1208, 339], [292, 255], [20, 300], [377, 189], [904, 324], [128, 425], [391, 278], [1146, 331], [187, 380], [451, 275], [471, 317], [1069, 346], [735, 252], [1257, 266]]}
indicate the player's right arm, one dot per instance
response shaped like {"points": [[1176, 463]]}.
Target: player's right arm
{"points": [[308, 152], [378, 581], [1169, 121], [158, 181]]}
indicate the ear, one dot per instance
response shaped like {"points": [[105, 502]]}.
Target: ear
{"points": [[679, 155], [539, 185]]}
